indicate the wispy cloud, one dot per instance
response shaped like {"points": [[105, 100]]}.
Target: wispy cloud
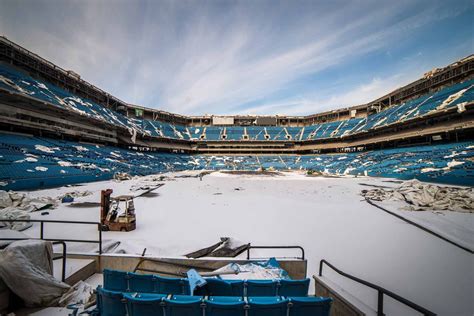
{"points": [[220, 57]]}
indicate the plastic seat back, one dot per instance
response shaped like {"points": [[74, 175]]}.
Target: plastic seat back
{"points": [[218, 287], [237, 287], [268, 306], [317, 306], [261, 288], [183, 306], [142, 283], [225, 308], [171, 285], [293, 287], [145, 305], [110, 303], [115, 280]]}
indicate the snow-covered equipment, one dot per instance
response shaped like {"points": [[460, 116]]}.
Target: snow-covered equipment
{"points": [[110, 212]]}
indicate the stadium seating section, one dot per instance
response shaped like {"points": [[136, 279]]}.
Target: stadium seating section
{"points": [[132, 294], [20, 82], [28, 162]]}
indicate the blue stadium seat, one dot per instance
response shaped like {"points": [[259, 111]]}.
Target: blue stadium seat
{"points": [[293, 287], [268, 306], [116, 280], [183, 306], [110, 303], [143, 305], [142, 283], [315, 306], [218, 287], [237, 287], [171, 285], [225, 306], [261, 288]]}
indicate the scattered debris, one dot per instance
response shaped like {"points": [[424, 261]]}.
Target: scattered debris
{"points": [[227, 247], [122, 176], [426, 197]]}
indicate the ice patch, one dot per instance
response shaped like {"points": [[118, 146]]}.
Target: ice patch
{"points": [[41, 168], [44, 149], [81, 148]]}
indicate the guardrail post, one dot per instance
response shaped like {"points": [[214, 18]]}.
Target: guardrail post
{"points": [[100, 239], [380, 304], [41, 230]]}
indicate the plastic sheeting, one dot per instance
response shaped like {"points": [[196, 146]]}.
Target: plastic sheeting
{"points": [[26, 267], [422, 196], [260, 270]]}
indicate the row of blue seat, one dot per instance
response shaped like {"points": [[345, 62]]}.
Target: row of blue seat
{"points": [[112, 303], [18, 81], [133, 282], [35, 162]]}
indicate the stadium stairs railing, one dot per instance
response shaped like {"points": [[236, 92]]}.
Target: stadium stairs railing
{"points": [[380, 291]]}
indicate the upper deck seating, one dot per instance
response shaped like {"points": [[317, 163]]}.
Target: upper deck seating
{"points": [[18, 81], [235, 132], [214, 133], [256, 132]]}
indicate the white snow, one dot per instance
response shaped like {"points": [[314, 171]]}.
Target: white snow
{"points": [[327, 216], [81, 148], [45, 149], [39, 168]]}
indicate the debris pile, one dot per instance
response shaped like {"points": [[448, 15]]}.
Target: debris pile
{"points": [[422, 196], [17, 205]]}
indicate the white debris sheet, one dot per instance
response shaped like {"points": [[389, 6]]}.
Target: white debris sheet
{"points": [[26, 267], [261, 270], [421, 196], [447, 211], [18, 205]]}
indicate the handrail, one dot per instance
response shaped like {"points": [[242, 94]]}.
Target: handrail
{"points": [[277, 247], [63, 256], [42, 221], [380, 291]]}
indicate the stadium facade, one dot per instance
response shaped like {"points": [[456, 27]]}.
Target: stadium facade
{"points": [[56, 129]]}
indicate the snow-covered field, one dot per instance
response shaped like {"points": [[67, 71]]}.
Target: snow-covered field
{"points": [[327, 216]]}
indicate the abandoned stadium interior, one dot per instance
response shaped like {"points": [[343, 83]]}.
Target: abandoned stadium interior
{"points": [[57, 130]]}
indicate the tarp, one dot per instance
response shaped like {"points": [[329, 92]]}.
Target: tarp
{"points": [[26, 267], [260, 270]]}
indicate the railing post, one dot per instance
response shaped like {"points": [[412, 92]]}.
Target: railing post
{"points": [[63, 276], [41, 230], [100, 239], [380, 303], [321, 268]]}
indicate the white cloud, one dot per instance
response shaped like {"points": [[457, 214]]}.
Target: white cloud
{"points": [[196, 58]]}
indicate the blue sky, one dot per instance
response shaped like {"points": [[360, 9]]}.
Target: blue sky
{"points": [[244, 57]]}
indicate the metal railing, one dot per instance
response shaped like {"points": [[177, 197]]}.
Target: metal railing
{"points": [[302, 257], [380, 292], [63, 255], [42, 229]]}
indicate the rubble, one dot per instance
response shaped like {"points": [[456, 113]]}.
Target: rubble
{"points": [[422, 196]]}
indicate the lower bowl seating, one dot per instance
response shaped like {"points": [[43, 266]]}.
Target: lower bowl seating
{"points": [[134, 294]]}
